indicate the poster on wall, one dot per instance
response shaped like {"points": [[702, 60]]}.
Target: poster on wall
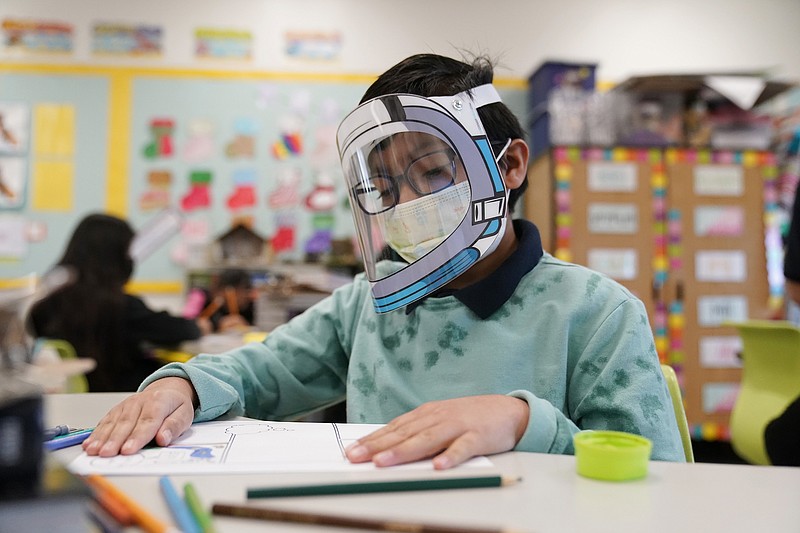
{"points": [[14, 128], [125, 40], [217, 43], [313, 46], [37, 36]]}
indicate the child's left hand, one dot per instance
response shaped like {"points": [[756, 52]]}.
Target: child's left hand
{"points": [[450, 430]]}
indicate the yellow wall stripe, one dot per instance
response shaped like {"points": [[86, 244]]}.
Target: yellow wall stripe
{"points": [[118, 153]]}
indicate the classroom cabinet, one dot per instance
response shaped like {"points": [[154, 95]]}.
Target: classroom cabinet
{"points": [[693, 233]]}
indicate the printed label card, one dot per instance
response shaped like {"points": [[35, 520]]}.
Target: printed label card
{"points": [[620, 264], [718, 221], [719, 397], [712, 311], [720, 266], [611, 177], [613, 218], [718, 180], [720, 352]]}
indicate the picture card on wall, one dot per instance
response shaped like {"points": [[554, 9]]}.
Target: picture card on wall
{"points": [[13, 244], [613, 218], [712, 311], [14, 128], [720, 352], [611, 177], [13, 182], [720, 266], [718, 180], [620, 264], [718, 221], [719, 397]]}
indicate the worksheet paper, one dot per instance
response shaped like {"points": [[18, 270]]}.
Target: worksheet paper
{"points": [[250, 446]]}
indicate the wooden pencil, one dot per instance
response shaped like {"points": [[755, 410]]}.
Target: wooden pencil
{"points": [[282, 515]]}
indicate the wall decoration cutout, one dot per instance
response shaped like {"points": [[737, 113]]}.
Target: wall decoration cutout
{"points": [[157, 193], [286, 194], [161, 144], [200, 141], [13, 244], [243, 144], [199, 194], [244, 191]]}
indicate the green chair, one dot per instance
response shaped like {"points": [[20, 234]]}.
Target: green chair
{"points": [[77, 382], [770, 381], [680, 413]]}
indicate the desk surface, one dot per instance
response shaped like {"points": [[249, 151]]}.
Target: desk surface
{"points": [[550, 498]]}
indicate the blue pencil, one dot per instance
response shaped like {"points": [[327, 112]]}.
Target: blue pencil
{"points": [[178, 508], [70, 439]]}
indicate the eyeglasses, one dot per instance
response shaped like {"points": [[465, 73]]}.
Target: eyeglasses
{"points": [[426, 175]]}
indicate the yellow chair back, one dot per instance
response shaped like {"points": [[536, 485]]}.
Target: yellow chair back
{"points": [[770, 381], [680, 414], [75, 383]]}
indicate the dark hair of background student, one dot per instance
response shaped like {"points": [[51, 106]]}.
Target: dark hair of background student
{"points": [[96, 316]]}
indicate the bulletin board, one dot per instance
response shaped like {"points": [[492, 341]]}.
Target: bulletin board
{"points": [[218, 146]]}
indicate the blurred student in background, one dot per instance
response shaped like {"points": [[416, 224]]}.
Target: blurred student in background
{"points": [[229, 306], [96, 316]]}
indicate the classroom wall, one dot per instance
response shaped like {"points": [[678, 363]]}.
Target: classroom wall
{"points": [[114, 100], [625, 37]]}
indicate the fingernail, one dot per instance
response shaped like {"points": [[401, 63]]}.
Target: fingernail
{"points": [[128, 447], [166, 436], [384, 458], [442, 463], [356, 452]]}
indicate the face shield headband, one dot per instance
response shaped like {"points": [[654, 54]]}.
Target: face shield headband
{"points": [[422, 134]]}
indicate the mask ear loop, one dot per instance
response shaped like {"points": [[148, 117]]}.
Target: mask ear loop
{"points": [[502, 152]]}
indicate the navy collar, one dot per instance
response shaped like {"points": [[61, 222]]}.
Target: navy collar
{"points": [[488, 295]]}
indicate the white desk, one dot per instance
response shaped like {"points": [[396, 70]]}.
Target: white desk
{"points": [[551, 498]]}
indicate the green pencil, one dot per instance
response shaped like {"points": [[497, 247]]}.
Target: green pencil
{"points": [[202, 516], [382, 486]]}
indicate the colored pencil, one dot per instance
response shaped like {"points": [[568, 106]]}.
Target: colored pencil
{"points": [[113, 507], [200, 513], [141, 516], [70, 439], [211, 308], [179, 509], [381, 486], [278, 515]]}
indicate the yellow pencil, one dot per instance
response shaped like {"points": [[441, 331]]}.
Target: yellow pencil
{"points": [[141, 516]]}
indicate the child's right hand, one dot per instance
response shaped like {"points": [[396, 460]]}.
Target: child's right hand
{"points": [[163, 410]]}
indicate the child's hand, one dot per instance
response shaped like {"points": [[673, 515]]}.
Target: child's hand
{"points": [[450, 430], [163, 410], [233, 323]]}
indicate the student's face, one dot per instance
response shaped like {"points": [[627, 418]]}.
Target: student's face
{"points": [[410, 165]]}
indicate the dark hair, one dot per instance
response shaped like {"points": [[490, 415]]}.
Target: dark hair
{"points": [[238, 279], [89, 311], [435, 75]]}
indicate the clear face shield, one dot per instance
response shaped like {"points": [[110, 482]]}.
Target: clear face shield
{"points": [[424, 188]]}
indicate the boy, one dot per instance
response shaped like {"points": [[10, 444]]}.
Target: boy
{"points": [[477, 342]]}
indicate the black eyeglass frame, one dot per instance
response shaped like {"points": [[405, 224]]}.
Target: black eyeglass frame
{"points": [[359, 190]]}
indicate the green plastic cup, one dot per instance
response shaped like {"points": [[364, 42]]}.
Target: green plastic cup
{"points": [[611, 455]]}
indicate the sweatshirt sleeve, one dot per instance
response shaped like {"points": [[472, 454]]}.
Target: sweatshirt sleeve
{"points": [[300, 367], [615, 383]]}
